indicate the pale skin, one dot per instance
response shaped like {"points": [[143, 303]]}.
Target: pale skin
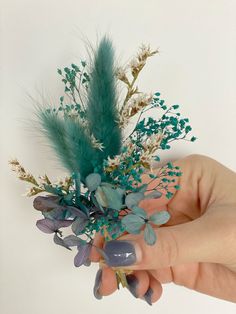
{"points": [[197, 247]]}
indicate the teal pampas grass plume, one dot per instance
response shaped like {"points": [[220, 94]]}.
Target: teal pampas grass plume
{"points": [[102, 111], [54, 128], [70, 141], [79, 144], [83, 144]]}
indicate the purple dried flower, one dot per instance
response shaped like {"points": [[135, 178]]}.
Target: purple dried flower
{"points": [[49, 226], [47, 203], [82, 256]]}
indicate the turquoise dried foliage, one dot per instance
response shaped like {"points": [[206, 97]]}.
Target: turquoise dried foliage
{"points": [[102, 111], [68, 137]]}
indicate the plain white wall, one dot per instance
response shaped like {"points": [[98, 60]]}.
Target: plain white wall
{"points": [[196, 68]]}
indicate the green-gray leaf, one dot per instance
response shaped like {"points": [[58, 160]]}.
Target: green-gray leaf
{"points": [[133, 199], [60, 241], [139, 211], [142, 188], [101, 197], [107, 196], [92, 181], [132, 223], [78, 225], [160, 218], [149, 235]]}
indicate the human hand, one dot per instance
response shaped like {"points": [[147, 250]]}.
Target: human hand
{"points": [[196, 248]]}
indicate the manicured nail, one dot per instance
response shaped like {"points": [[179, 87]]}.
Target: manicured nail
{"points": [[148, 296], [97, 285], [119, 253], [132, 284]]}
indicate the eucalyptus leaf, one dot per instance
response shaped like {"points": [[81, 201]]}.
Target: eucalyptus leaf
{"points": [[77, 212], [114, 197], [82, 255], [92, 181], [58, 240], [73, 240], [101, 197], [56, 213], [47, 203], [46, 225], [79, 224], [133, 199], [110, 197], [133, 223], [62, 223], [139, 211], [49, 225], [149, 235], [160, 218], [96, 203]]}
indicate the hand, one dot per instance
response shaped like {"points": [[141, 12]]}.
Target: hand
{"points": [[196, 248]]}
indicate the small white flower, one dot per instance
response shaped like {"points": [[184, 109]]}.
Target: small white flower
{"points": [[113, 162], [134, 64], [120, 73], [146, 158], [96, 143]]}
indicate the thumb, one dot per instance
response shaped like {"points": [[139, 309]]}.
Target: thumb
{"points": [[197, 241]]}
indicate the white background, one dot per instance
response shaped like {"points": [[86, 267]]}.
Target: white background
{"points": [[196, 68]]}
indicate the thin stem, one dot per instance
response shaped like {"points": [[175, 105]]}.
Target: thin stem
{"points": [[135, 126], [77, 188]]}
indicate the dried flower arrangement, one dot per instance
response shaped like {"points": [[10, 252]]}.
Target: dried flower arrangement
{"points": [[104, 187]]}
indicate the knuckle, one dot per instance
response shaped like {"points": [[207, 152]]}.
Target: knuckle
{"points": [[169, 248]]}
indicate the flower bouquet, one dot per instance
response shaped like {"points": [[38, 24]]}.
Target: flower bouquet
{"points": [[88, 132]]}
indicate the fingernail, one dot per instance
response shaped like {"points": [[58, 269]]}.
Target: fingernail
{"points": [[119, 253], [97, 284], [132, 284], [148, 296]]}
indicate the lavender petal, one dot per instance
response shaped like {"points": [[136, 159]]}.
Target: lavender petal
{"points": [[82, 255], [60, 241], [46, 225]]}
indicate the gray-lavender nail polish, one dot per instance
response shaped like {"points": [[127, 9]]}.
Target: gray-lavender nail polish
{"points": [[97, 285], [119, 253], [148, 296], [132, 284]]}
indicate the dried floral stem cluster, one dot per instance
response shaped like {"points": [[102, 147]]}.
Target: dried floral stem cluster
{"points": [[105, 186], [131, 104], [42, 184]]}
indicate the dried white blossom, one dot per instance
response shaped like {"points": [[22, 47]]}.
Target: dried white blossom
{"points": [[134, 105], [121, 75], [33, 191], [134, 63], [113, 162], [153, 142], [145, 52], [146, 158], [96, 143]]}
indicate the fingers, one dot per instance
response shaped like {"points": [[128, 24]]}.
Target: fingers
{"points": [[140, 284], [98, 241], [108, 282], [195, 241], [154, 291]]}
